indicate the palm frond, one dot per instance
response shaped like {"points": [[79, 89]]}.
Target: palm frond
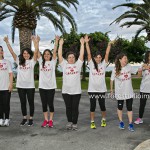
{"points": [[5, 16], [130, 5], [139, 31], [128, 24], [68, 3], [55, 21]]}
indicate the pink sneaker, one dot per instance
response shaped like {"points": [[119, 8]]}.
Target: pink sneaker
{"points": [[50, 124], [45, 123], [138, 121]]}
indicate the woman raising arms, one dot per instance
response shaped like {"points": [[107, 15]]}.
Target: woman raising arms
{"points": [[71, 89], [25, 80]]}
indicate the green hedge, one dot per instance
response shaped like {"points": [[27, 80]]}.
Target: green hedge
{"points": [[84, 84]]}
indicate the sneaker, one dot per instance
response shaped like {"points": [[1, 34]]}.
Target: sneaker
{"points": [[30, 123], [103, 123], [69, 126], [74, 127], [6, 123], [1, 122], [130, 127], [24, 122], [93, 126], [45, 123], [138, 121], [50, 124], [121, 125]]}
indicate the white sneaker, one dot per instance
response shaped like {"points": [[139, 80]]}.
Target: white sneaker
{"points": [[6, 122], [69, 126], [1, 122], [74, 127]]}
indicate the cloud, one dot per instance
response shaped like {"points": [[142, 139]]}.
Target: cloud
{"points": [[92, 15]]}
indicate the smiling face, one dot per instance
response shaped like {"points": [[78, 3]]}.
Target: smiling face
{"points": [[71, 59], [1, 53], [26, 55], [123, 61], [47, 56], [98, 59]]}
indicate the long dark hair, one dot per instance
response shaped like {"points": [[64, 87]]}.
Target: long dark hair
{"points": [[118, 64], [2, 50], [43, 62], [21, 58], [146, 60], [69, 53], [95, 55]]}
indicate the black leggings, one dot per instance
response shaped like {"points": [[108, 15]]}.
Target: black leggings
{"points": [[47, 98], [25, 94], [129, 103], [5, 104], [72, 107], [143, 99], [101, 100]]}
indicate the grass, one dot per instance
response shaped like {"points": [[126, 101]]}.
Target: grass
{"points": [[84, 84]]}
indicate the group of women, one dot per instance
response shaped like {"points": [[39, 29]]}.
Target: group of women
{"points": [[71, 87]]}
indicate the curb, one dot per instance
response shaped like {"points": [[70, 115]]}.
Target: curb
{"points": [[144, 145]]}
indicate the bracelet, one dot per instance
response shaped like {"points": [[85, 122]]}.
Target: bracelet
{"points": [[7, 43], [56, 44]]}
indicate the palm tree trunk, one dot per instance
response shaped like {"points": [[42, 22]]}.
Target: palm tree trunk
{"points": [[25, 38]]}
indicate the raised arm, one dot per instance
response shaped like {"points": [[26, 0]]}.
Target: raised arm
{"points": [[55, 46], [87, 39], [61, 42], [81, 56], [10, 48], [36, 40], [108, 51]]}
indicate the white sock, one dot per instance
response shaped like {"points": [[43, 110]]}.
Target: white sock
{"points": [[103, 118]]}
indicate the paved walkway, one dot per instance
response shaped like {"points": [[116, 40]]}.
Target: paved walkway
{"points": [[57, 138]]}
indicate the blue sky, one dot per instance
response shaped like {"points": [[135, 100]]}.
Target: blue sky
{"points": [[92, 15]]}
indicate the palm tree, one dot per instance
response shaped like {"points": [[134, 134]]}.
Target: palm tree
{"points": [[139, 14], [25, 14]]}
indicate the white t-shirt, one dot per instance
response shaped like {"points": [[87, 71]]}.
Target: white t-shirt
{"points": [[25, 75], [145, 83], [71, 77], [5, 69], [123, 82], [47, 79], [97, 78]]}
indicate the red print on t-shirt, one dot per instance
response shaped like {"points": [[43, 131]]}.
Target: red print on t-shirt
{"points": [[1, 65], [71, 70], [45, 67], [25, 67], [99, 72], [126, 76]]}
